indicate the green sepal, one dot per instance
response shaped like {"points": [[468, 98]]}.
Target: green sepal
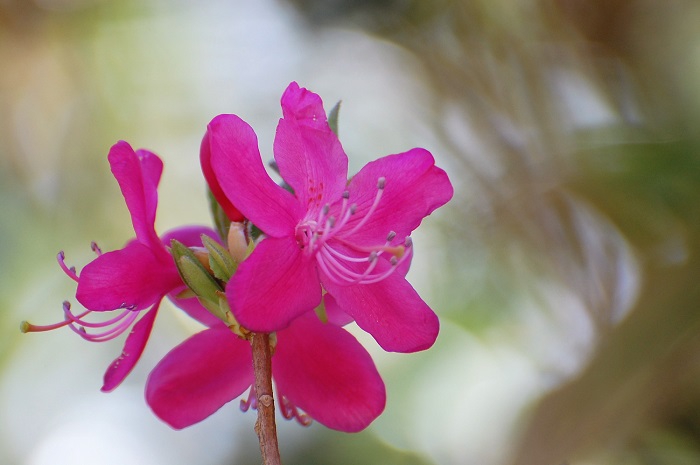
{"points": [[221, 262], [221, 221], [193, 272], [333, 118], [321, 312]]}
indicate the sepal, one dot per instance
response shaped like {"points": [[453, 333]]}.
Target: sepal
{"points": [[221, 262]]}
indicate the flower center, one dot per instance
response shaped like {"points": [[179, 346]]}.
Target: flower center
{"points": [[329, 239]]}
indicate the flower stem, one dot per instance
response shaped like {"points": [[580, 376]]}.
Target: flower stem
{"points": [[265, 425]]}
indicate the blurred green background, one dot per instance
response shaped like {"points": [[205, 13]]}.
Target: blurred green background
{"points": [[565, 271]]}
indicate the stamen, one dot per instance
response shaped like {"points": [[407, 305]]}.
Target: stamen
{"points": [[95, 248], [290, 411], [381, 183], [72, 274], [250, 402], [77, 324]]}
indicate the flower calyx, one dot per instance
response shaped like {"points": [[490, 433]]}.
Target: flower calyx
{"points": [[205, 271]]}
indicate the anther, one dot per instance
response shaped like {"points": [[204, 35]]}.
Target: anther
{"points": [[326, 209], [353, 208], [381, 182], [390, 237], [394, 261], [408, 242], [72, 274], [95, 248], [346, 194]]}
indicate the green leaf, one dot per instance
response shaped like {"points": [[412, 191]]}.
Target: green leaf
{"points": [[333, 118]]}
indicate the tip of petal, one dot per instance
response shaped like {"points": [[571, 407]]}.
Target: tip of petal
{"points": [[300, 104]]}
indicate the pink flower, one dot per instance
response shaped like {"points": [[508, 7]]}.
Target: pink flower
{"points": [[350, 238], [135, 278], [317, 367]]}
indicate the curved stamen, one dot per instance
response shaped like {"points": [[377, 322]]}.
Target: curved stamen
{"points": [[250, 402], [381, 183], [338, 270], [108, 334], [77, 324], [289, 411], [95, 248], [337, 265], [72, 274], [79, 318]]}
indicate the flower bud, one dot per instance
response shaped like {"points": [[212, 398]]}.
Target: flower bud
{"points": [[220, 261], [237, 244]]}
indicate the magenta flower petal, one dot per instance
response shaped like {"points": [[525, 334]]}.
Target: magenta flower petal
{"points": [[194, 309], [273, 286], [323, 370], [191, 236], [391, 311], [336, 315], [218, 193], [199, 376], [133, 277], [138, 174], [414, 188], [309, 155], [133, 348], [236, 162]]}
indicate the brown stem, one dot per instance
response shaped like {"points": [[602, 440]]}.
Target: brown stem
{"points": [[265, 425]]}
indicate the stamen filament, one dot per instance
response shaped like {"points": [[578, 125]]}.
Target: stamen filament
{"points": [[250, 402], [290, 411], [380, 190], [72, 274], [105, 335]]}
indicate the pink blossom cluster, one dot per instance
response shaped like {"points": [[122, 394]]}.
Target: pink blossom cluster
{"points": [[327, 240]]}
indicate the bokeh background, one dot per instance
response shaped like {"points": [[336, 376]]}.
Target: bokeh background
{"points": [[565, 271]]}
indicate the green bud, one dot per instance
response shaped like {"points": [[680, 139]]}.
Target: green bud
{"points": [[193, 273], [238, 245], [222, 264]]}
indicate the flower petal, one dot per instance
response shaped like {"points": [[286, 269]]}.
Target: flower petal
{"points": [[194, 309], [218, 193], [309, 155], [138, 174], [191, 236], [133, 276], [336, 315], [390, 310], [414, 188], [323, 370], [236, 162], [133, 348], [199, 376], [277, 283]]}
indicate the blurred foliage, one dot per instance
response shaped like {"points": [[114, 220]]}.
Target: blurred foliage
{"points": [[503, 74]]}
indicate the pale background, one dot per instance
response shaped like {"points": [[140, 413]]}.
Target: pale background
{"points": [[565, 271]]}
